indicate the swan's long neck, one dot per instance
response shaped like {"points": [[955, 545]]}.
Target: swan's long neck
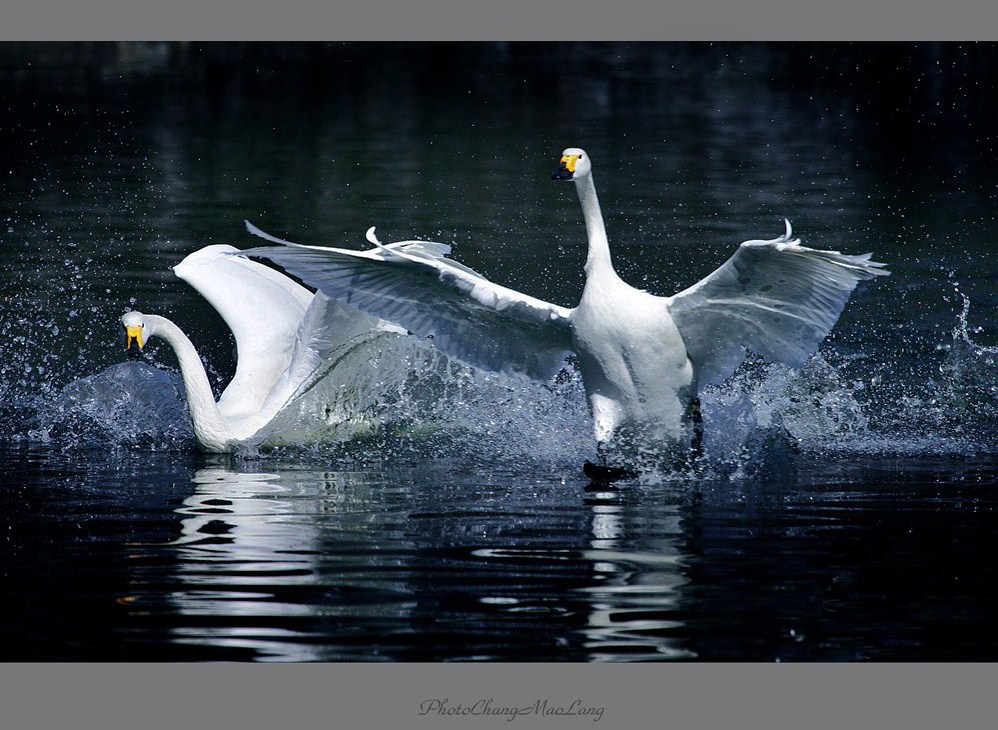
{"points": [[212, 429], [598, 261]]}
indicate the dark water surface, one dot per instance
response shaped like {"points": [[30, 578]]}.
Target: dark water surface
{"points": [[845, 511]]}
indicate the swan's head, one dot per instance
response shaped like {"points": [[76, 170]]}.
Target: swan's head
{"points": [[574, 165], [135, 334]]}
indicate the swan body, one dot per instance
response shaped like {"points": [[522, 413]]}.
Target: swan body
{"points": [[642, 357], [635, 370], [283, 334]]}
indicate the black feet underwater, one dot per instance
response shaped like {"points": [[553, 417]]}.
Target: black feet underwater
{"points": [[695, 417], [602, 475]]}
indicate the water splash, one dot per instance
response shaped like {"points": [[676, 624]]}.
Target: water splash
{"points": [[397, 398], [967, 394], [129, 405], [946, 406]]}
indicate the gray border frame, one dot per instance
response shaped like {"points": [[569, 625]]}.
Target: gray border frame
{"points": [[812, 696], [632, 696], [552, 20]]}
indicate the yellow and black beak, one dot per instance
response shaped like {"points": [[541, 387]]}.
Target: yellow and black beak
{"points": [[133, 338], [567, 168]]}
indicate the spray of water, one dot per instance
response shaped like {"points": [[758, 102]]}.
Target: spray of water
{"points": [[398, 398], [966, 395]]}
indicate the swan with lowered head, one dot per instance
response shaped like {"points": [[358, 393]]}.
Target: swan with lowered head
{"points": [[284, 334], [642, 357]]}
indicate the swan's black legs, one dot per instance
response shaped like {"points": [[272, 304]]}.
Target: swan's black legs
{"points": [[601, 452], [601, 475], [696, 418]]}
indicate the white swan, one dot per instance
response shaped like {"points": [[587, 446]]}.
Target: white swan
{"points": [[283, 336], [642, 357]]}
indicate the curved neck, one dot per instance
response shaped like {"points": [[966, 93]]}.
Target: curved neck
{"points": [[212, 429], [598, 259]]}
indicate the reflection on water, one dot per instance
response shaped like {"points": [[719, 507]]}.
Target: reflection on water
{"points": [[239, 539], [318, 565], [165, 558], [634, 602], [287, 566]]}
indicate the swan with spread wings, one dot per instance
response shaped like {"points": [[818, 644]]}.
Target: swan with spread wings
{"points": [[642, 357]]}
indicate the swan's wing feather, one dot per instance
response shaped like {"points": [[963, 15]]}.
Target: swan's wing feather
{"points": [[380, 252], [326, 327], [776, 298], [414, 285], [262, 308]]}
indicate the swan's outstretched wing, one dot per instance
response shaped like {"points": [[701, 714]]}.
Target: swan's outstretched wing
{"points": [[262, 307], [326, 327], [412, 284], [776, 298]]}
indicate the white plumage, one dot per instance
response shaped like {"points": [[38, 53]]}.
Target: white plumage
{"points": [[284, 334], [642, 357]]}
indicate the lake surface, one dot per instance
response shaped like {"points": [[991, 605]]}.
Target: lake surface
{"points": [[844, 512]]}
